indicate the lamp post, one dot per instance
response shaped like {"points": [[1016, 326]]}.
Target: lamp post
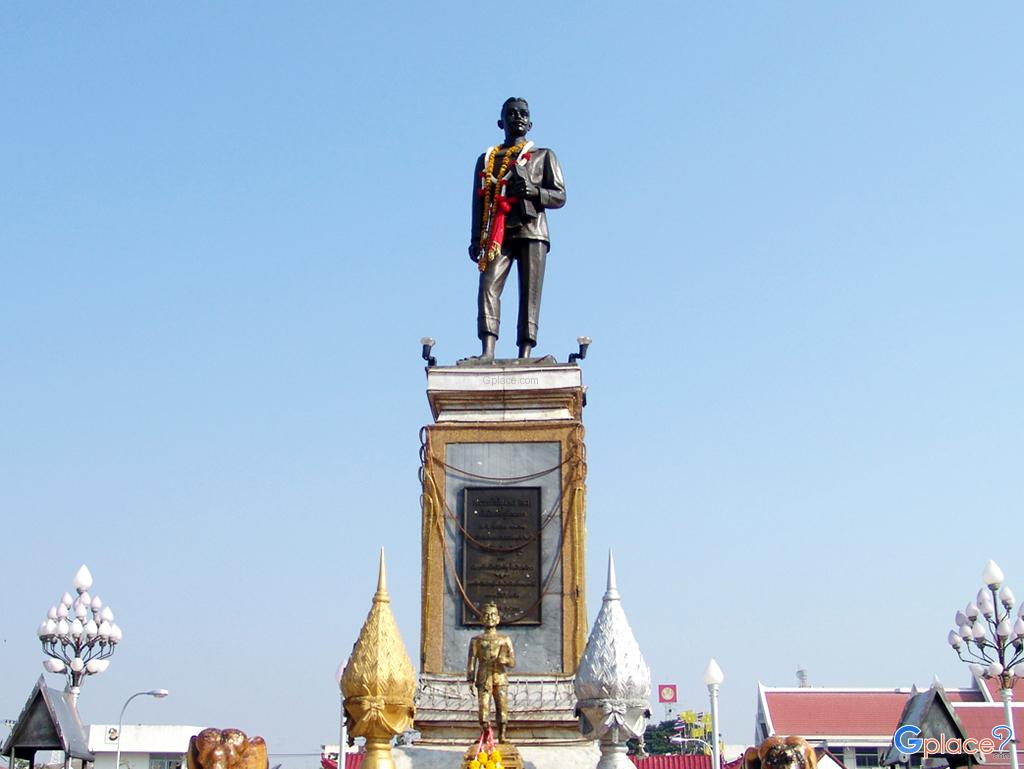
{"points": [[158, 693], [78, 644], [991, 642], [713, 677]]}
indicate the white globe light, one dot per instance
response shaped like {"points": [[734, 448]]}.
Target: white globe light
{"points": [[96, 604], [54, 666], [66, 599], [115, 633], [96, 666], [713, 674], [986, 606], [77, 628], [91, 628], [107, 614], [995, 669], [1018, 626], [62, 628], [42, 629], [978, 631], [51, 627], [80, 611], [52, 613], [976, 669], [961, 618], [1004, 628], [104, 629], [85, 599], [77, 664], [992, 575], [83, 579], [62, 611], [954, 639], [965, 632], [1006, 597]]}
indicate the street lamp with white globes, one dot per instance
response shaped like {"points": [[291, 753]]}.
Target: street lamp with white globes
{"points": [[158, 693], [713, 678], [992, 642], [78, 635]]}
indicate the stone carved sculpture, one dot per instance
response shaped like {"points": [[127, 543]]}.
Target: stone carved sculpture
{"points": [[226, 749], [613, 682], [379, 681], [781, 753], [490, 657]]}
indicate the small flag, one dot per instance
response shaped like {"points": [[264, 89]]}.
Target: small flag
{"points": [[666, 692]]}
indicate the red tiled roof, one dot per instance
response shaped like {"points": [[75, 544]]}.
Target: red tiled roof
{"points": [[993, 687], [353, 760], [675, 761], [979, 721], [811, 713], [964, 695]]}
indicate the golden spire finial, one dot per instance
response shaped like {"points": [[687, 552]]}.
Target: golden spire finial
{"points": [[379, 681], [382, 581]]}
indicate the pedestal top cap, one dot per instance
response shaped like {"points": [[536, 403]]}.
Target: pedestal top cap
{"points": [[505, 392]]}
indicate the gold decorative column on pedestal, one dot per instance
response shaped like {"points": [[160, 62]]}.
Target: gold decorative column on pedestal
{"points": [[379, 682]]}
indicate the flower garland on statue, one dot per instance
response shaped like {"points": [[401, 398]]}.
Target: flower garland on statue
{"points": [[496, 203]]}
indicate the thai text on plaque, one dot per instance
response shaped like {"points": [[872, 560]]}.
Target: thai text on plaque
{"points": [[501, 553]]}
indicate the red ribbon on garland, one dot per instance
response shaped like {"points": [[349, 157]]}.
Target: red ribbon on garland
{"points": [[500, 206]]}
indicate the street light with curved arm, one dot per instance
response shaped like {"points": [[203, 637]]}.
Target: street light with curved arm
{"points": [[158, 693]]}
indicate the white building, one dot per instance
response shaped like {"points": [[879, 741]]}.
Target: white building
{"points": [[142, 746]]}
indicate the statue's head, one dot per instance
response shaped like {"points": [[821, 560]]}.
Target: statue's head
{"points": [[489, 615], [515, 117], [781, 753]]}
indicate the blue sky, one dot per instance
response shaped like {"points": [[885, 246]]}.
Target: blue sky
{"points": [[793, 231]]}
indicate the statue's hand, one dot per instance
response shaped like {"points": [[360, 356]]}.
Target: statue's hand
{"points": [[474, 253], [523, 188]]}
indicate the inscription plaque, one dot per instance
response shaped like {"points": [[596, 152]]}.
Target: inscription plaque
{"points": [[501, 553]]}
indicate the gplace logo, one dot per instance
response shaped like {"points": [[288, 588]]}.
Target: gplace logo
{"points": [[907, 739]]}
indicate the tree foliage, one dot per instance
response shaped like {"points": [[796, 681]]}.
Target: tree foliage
{"points": [[657, 736]]}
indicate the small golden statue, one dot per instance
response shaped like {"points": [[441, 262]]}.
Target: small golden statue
{"points": [[490, 656], [226, 749], [781, 753]]}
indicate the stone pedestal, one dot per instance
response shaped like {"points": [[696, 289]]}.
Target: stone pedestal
{"points": [[504, 468]]}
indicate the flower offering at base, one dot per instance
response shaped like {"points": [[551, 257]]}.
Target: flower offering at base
{"points": [[485, 753]]}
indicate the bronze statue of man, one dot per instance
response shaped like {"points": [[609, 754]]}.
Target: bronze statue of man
{"points": [[490, 656], [514, 183]]}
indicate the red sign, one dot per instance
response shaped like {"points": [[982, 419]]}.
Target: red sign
{"points": [[666, 692]]}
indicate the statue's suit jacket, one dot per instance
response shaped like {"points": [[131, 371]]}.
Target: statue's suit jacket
{"points": [[526, 220]]}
